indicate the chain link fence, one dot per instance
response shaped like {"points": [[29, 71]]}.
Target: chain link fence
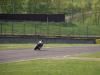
{"points": [[82, 18]]}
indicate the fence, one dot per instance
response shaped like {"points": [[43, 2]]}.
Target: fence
{"points": [[48, 29], [82, 18]]}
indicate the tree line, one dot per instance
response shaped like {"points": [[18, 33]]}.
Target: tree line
{"points": [[48, 6]]}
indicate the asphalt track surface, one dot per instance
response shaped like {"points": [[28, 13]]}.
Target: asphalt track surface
{"points": [[28, 54]]}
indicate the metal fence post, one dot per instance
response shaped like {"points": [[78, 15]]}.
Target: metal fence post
{"points": [[35, 30], [48, 26], [1, 28], [12, 29], [24, 29], [87, 30]]}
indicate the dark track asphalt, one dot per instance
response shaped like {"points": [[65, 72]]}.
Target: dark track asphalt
{"points": [[26, 54]]}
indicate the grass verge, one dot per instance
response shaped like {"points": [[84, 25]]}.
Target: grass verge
{"points": [[91, 55], [23, 46], [51, 67]]}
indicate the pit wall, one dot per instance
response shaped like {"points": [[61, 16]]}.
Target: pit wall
{"points": [[35, 39]]}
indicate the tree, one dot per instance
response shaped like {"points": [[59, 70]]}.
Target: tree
{"points": [[11, 6], [58, 6], [96, 5], [17, 6], [38, 6], [5, 6]]}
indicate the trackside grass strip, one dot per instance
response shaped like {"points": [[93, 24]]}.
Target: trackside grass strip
{"points": [[25, 46], [51, 67]]}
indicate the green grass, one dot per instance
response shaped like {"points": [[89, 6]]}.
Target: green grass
{"points": [[23, 46], [16, 46], [91, 55], [51, 67]]}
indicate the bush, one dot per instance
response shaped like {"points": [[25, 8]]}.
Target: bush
{"points": [[97, 41]]}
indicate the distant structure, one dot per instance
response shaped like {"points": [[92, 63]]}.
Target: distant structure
{"points": [[33, 17]]}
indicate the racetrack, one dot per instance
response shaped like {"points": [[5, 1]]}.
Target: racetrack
{"points": [[28, 54]]}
